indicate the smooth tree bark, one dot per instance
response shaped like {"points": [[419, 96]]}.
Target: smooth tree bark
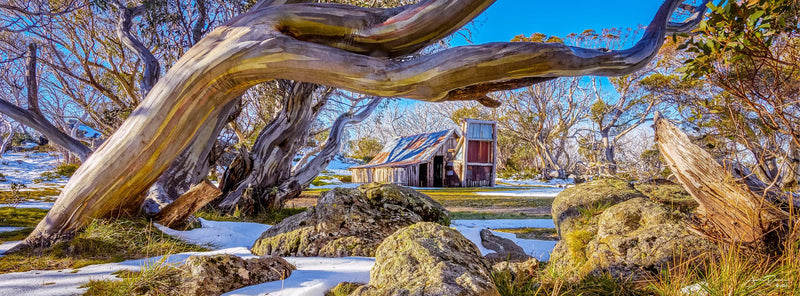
{"points": [[734, 212], [336, 45]]}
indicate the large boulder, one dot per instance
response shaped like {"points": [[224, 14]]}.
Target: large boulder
{"points": [[217, 274], [428, 259], [610, 227], [350, 222]]}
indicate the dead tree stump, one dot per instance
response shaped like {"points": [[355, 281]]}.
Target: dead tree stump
{"points": [[735, 213], [175, 214]]}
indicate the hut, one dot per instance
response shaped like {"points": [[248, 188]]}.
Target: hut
{"points": [[449, 158]]}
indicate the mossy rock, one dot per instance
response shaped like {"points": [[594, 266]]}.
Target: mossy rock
{"points": [[673, 196], [578, 206], [217, 274], [618, 230], [428, 259], [350, 222]]}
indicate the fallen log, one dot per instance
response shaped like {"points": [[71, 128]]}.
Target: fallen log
{"points": [[735, 212], [175, 214]]}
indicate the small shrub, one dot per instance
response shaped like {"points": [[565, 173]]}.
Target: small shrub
{"points": [[158, 278]]}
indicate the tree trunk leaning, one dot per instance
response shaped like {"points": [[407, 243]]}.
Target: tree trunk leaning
{"points": [[304, 42], [733, 211], [175, 214]]}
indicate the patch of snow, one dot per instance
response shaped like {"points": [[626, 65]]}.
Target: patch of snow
{"points": [[314, 276], [4, 247], [340, 165], [30, 205], [535, 192], [538, 249], [23, 167], [68, 281], [9, 229], [548, 183], [220, 234], [331, 186]]}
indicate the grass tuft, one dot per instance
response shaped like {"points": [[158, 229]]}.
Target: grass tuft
{"points": [[103, 241], [158, 278]]}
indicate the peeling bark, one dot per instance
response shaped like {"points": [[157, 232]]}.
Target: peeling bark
{"points": [[336, 45], [734, 212]]}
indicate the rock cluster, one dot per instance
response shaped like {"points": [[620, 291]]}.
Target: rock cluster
{"points": [[428, 259], [350, 222], [608, 226], [217, 274]]}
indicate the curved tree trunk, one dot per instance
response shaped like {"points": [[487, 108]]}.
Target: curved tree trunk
{"points": [[304, 42], [33, 118], [273, 151], [304, 175], [191, 167]]}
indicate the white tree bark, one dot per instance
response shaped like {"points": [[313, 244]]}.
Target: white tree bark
{"points": [[336, 45]]}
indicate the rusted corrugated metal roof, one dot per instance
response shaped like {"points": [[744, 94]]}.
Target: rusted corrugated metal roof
{"points": [[409, 150]]}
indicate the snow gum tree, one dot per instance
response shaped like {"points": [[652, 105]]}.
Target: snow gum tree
{"points": [[357, 49]]}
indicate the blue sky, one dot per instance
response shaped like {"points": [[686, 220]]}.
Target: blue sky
{"points": [[508, 18]]}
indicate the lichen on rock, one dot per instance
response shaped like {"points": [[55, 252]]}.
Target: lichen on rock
{"points": [[608, 226], [350, 222], [217, 274], [428, 259]]}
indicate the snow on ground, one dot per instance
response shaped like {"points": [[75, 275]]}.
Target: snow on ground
{"points": [[314, 276], [549, 183], [331, 186], [9, 229], [23, 167], [536, 248], [339, 166], [534, 192], [30, 204], [220, 234]]}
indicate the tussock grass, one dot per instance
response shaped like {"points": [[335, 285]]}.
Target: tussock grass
{"points": [[343, 289], [158, 278], [103, 241], [45, 194], [549, 281]]}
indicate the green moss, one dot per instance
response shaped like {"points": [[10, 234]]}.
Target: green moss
{"points": [[576, 244], [673, 196], [102, 241], [21, 217], [61, 171], [15, 235], [343, 289], [33, 194]]}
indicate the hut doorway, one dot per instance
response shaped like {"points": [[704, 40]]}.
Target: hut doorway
{"points": [[423, 175], [438, 171]]}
